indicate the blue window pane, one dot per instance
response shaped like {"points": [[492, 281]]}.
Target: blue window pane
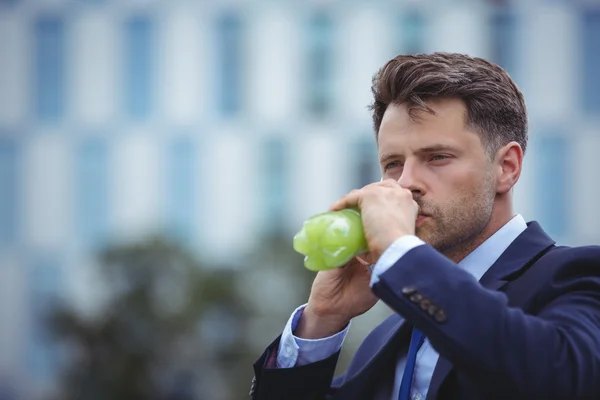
{"points": [[229, 63], [412, 33], [7, 392], [92, 188], [9, 190], [320, 67], [552, 175], [45, 279], [181, 180], [275, 177], [591, 60], [49, 67], [2, 4], [139, 73], [367, 164], [504, 39]]}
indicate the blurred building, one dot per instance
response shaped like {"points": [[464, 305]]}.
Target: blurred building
{"points": [[215, 121]]}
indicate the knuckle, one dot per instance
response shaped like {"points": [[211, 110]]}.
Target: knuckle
{"points": [[351, 193], [405, 193]]}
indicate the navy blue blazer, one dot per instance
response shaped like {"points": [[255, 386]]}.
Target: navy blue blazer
{"points": [[529, 329]]}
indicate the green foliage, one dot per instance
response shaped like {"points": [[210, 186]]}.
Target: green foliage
{"points": [[174, 328]]}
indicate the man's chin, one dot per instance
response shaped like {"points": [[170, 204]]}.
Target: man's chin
{"points": [[423, 234], [428, 235], [423, 230]]}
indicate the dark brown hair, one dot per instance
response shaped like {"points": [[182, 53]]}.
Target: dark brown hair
{"points": [[495, 105]]}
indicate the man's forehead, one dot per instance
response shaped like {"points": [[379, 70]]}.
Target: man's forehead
{"points": [[443, 109]]}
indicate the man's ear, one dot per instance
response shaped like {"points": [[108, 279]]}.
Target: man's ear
{"points": [[509, 162]]}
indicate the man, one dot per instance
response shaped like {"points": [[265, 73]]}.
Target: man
{"points": [[486, 305]]}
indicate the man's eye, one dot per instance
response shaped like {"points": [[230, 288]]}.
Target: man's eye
{"points": [[391, 165], [438, 157]]}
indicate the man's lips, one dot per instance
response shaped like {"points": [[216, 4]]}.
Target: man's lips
{"points": [[421, 218]]}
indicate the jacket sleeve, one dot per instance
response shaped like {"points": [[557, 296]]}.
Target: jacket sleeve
{"points": [[499, 349], [308, 382]]}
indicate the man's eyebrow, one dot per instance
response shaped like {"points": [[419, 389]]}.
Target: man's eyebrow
{"points": [[437, 147]]}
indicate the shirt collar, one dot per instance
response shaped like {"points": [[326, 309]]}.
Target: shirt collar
{"points": [[484, 256]]}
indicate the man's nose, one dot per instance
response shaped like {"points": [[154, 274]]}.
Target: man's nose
{"points": [[410, 178]]}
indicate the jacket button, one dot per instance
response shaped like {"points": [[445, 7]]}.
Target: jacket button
{"points": [[432, 309], [408, 290], [425, 304], [440, 316], [416, 297]]}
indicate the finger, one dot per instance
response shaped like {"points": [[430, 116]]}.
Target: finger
{"points": [[417, 209], [388, 183], [364, 262], [362, 266], [357, 266], [366, 258], [349, 200]]}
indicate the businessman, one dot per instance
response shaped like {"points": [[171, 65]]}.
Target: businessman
{"points": [[486, 305]]}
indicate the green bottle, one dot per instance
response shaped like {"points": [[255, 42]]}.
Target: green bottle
{"points": [[331, 239]]}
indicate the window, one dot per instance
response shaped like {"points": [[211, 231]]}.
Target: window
{"points": [[275, 178], [411, 32], [181, 195], [503, 26], [49, 67], [6, 390], [9, 190], [552, 175], [92, 188], [139, 73], [367, 162], [45, 280], [230, 62], [591, 60], [320, 67]]}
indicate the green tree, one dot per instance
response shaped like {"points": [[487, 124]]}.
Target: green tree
{"points": [[175, 328], [157, 333]]}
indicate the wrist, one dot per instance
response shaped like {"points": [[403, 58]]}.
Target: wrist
{"points": [[315, 325], [384, 244]]}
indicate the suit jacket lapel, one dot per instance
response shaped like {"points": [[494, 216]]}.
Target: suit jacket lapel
{"points": [[387, 343], [441, 371], [523, 252], [366, 380]]}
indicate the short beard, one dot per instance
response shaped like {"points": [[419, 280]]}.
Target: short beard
{"points": [[460, 225]]}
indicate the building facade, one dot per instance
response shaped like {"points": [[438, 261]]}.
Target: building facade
{"points": [[212, 121]]}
